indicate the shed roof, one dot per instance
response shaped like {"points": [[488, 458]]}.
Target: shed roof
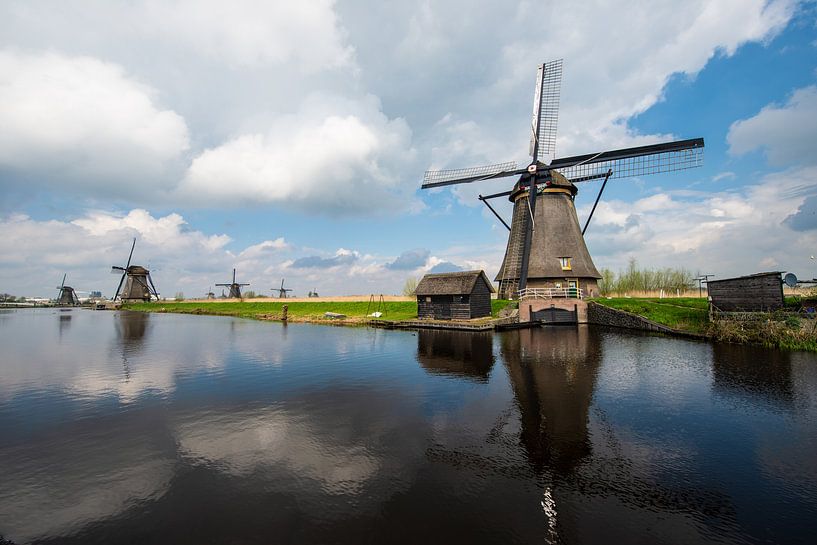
{"points": [[457, 283], [771, 273]]}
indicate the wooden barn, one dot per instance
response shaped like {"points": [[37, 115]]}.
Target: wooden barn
{"points": [[454, 296], [753, 293]]}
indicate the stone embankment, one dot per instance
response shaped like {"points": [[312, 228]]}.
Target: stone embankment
{"points": [[602, 315]]}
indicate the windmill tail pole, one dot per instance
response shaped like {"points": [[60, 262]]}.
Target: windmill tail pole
{"points": [[604, 183], [491, 208]]}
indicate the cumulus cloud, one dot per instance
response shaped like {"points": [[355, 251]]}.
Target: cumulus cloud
{"points": [[727, 233], [336, 156], [341, 257], [445, 267], [410, 259], [805, 219], [85, 122], [257, 32], [787, 133]]}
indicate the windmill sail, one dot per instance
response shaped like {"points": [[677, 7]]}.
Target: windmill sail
{"points": [[545, 111]]}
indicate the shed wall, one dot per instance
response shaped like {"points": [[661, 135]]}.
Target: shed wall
{"points": [[748, 294]]}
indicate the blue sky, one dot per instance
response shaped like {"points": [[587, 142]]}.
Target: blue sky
{"points": [[290, 140]]}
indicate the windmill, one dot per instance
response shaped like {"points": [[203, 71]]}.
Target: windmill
{"points": [[282, 292], [235, 288], [67, 296], [139, 285], [546, 247]]}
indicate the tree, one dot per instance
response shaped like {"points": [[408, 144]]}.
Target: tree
{"points": [[410, 286], [607, 281], [250, 294]]}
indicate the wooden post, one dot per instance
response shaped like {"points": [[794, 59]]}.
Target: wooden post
{"points": [[284, 312]]}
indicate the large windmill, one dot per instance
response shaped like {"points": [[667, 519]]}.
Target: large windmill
{"points": [[67, 296], [138, 285], [235, 288], [546, 247], [282, 291]]}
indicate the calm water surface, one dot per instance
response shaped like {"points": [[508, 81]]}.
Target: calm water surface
{"points": [[134, 428]]}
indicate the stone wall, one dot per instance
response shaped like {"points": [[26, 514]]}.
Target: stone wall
{"points": [[602, 315]]}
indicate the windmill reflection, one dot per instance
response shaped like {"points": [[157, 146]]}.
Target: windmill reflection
{"points": [[463, 354], [131, 329], [64, 323], [553, 375]]}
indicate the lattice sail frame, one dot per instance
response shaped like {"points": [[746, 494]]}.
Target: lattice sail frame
{"points": [[546, 111], [439, 176], [628, 167]]}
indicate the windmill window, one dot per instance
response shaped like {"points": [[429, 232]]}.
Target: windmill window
{"points": [[565, 263]]}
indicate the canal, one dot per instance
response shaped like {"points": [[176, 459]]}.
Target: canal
{"points": [[120, 427]]}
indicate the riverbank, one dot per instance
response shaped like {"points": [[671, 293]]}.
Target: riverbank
{"points": [[354, 312], [785, 329], [688, 315]]}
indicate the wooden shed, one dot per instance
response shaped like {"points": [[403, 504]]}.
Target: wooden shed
{"points": [[753, 293], [454, 296]]}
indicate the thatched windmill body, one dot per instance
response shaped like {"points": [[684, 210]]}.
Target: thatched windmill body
{"points": [[235, 288], [546, 251], [135, 283], [67, 295]]}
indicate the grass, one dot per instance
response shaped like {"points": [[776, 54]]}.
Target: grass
{"points": [[355, 311], [685, 313]]}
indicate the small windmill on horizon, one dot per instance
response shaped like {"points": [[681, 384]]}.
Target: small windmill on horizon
{"points": [[282, 292], [546, 248], [67, 295], [235, 288]]}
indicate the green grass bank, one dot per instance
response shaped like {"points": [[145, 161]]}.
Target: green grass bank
{"points": [[297, 311], [784, 329]]}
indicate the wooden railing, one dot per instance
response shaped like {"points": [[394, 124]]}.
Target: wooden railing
{"points": [[551, 293]]}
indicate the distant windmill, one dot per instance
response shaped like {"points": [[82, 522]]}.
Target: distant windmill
{"points": [[314, 293], [139, 285], [235, 288], [67, 296], [546, 247], [210, 294], [282, 292]]}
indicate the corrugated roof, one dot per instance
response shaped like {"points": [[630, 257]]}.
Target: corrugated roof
{"points": [[457, 283]]}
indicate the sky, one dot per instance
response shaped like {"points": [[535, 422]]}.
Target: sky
{"points": [[289, 139]]}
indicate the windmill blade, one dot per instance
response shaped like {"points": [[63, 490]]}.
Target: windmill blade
{"points": [[63, 280], [116, 269], [546, 111], [233, 276], [638, 161], [131, 252], [119, 287], [439, 178], [156, 293]]}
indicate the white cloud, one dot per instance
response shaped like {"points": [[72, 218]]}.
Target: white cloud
{"points": [[727, 233], [257, 32], [334, 156], [84, 122], [787, 134]]}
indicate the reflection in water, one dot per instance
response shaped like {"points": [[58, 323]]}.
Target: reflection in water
{"points": [[65, 322], [553, 374], [226, 430], [462, 354], [760, 373]]}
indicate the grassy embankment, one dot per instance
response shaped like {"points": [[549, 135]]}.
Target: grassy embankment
{"points": [[298, 311], [773, 329]]}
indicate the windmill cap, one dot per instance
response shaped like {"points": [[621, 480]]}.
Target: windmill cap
{"points": [[557, 183]]}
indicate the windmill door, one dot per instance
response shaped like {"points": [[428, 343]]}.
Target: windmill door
{"points": [[572, 287]]}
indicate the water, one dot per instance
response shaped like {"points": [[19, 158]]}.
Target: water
{"points": [[135, 428]]}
